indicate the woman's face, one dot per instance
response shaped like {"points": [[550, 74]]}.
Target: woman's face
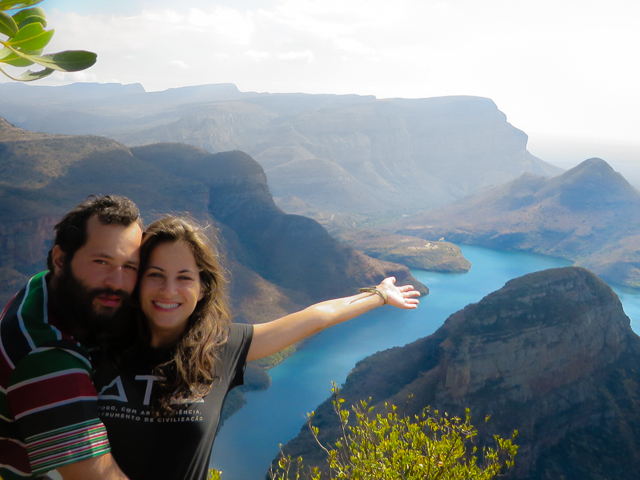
{"points": [[169, 291]]}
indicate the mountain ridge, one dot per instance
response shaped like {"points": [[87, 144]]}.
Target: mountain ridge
{"points": [[345, 154], [589, 214]]}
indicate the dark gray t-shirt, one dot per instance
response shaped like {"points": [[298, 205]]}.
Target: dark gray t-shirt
{"points": [[176, 447]]}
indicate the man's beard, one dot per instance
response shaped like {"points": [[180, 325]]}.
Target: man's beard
{"points": [[74, 302]]}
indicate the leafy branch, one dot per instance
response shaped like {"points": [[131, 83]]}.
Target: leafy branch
{"points": [[25, 38], [394, 446]]}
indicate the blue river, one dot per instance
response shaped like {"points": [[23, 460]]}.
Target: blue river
{"points": [[250, 439]]}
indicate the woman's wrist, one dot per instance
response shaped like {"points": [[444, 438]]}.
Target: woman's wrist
{"points": [[376, 291]]}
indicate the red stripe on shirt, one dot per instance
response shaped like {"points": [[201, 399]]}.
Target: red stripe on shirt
{"points": [[94, 432], [14, 455], [52, 390], [86, 442]]}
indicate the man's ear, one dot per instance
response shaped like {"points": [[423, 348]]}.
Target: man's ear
{"points": [[58, 259]]}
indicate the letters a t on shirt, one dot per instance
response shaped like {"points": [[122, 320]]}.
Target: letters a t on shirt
{"points": [[174, 447]]}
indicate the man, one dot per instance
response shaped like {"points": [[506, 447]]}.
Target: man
{"points": [[48, 405]]}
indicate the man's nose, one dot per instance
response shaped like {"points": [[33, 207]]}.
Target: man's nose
{"points": [[115, 280]]}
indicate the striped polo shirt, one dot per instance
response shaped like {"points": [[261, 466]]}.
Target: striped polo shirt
{"points": [[48, 404]]}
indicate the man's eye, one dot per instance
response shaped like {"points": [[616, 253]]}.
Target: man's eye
{"points": [[131, 267]]}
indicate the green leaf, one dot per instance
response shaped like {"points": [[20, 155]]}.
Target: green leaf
{"points": [[27, 12], [30, 76], [67, 61], [33, 19], [17, 61], [31, 37], [30, 15], [8, 25], [17, 4], [14, 59]]}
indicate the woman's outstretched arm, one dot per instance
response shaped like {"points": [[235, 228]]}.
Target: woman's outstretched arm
{"points": [[271, 337]]}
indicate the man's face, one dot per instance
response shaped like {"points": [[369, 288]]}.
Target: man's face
{"points": [[100, 277]]}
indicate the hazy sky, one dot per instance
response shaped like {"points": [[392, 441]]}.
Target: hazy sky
{"points": [[559, 69]]}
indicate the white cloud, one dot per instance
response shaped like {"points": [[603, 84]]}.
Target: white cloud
{"points": [[162, 17], [351, 45], [65, 78], [257, 56], [304, 57], [226, 22], [179, 64]]}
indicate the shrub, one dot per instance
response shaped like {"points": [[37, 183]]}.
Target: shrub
{"points": [[393, 446]]}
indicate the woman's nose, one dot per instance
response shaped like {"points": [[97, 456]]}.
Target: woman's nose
{"points": [[168, 288]]}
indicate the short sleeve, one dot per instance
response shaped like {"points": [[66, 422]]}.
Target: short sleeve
{"points": [[235, 352], [54, 404]]}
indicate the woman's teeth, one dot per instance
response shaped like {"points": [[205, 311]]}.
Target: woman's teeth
{"points": [[166, 305]]}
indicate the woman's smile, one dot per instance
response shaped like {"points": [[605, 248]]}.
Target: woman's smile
{"points": [[166, 306]]}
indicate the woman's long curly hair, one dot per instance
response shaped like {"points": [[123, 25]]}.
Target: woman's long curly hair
{"points": [[191, 371]]}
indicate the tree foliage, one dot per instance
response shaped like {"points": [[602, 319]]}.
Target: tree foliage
{"points": [[393, 446], [23, 37], [214, 474]]}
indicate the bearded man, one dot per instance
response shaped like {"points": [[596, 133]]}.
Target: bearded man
{"points": [[48, 404]]}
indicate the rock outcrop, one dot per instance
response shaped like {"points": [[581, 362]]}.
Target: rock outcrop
{"points": [[551, 354], [413, 252]]}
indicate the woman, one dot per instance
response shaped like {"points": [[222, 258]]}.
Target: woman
{"points": [[162, 403]]}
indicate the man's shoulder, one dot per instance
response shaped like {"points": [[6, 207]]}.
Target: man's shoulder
{"points": [[30, 300], [27, 326]]}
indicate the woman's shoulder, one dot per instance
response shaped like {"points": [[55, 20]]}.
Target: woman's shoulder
{"points": [[240, 332]]}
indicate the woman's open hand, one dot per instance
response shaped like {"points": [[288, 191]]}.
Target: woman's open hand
{"points": [[399, 296]]}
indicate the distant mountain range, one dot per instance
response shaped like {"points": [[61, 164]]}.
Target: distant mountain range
{"points": [[589, 215], [341, 154], [551, 354]]}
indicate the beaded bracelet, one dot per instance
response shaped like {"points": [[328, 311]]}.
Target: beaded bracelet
{"points": [[377, 292]]}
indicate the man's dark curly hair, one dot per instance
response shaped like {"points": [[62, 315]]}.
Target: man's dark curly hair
{"points": [[71, 231]]}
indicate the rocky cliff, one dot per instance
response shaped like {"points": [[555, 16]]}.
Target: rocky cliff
{"points": [[344, 154], [589, 215], [551, 354]]}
